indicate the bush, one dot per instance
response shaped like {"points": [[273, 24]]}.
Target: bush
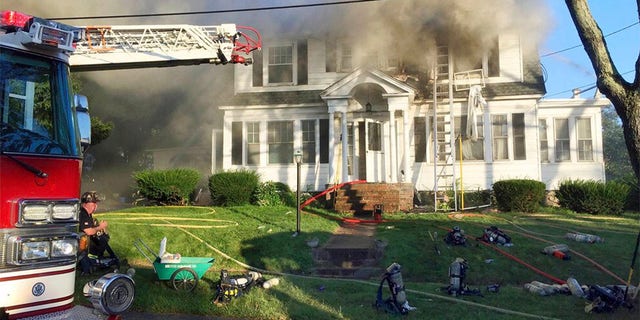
{"points": [[634, 193], [520, 195], [272, 193], [167, 187], [233, 188], [594, 197]]}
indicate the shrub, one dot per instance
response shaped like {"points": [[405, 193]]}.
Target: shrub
{"points": [[594, 197], [233, 188], [272, 193], [520, 195], [167, 187]]}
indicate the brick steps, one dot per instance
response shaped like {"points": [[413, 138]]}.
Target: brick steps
{"points": [[363, 198]]}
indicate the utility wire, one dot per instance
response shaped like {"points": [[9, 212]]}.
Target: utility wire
{"points": [[580, 45], [212, 11]]}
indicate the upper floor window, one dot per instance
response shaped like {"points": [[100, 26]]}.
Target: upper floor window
{"points": [[280, 64], [488, 61], [345, 63]]}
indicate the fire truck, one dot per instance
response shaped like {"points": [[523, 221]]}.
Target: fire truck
{"points": [[46, 128]]}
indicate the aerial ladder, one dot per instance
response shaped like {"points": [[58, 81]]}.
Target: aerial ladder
{"points": [[143, 46]]}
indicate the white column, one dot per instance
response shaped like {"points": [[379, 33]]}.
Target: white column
{"points": [[345, 152], [393, 152], [405, 146], [332, 152]]}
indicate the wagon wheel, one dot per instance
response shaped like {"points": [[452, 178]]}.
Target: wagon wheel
{"points": [[184, 279]]}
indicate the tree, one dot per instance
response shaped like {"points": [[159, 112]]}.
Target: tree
{"points": [[624, 95], [616, 163]]}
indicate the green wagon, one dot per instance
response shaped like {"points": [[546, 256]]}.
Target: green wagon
{"points": [[183, 273]]}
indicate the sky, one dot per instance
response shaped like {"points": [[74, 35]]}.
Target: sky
{"points": [[572, 69]]}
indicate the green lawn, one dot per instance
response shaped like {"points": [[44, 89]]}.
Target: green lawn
{"points": [[260, 237]]}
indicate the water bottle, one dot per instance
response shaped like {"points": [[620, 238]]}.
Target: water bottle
{"points": [[575, 287], [535, 289], [271, 283]]}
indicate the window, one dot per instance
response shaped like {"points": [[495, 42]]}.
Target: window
{"points": [[375, 139], [419, 139], [471, 150], [585, 144], [544, 143], [280, 66], [346, 57], [280, 140], [236, 142], [499, 130], [519, 149], [488, 61], [308, 128], [253, 143], [562, 140]]}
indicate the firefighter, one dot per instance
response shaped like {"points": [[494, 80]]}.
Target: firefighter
{"points": [[96, 231]]}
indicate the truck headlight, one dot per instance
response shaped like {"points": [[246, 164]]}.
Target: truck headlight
{"points": [[65, 211], [35, 213], [64, 248], [35, 250]]}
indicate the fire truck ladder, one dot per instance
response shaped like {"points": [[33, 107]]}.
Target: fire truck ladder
{"points": [[139, 46], [444, 184]]}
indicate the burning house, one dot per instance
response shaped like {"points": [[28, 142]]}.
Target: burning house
{"points": [[437, 95]]}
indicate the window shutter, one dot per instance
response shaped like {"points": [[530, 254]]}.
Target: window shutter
{"points": [[257, 68], [302, 62]]}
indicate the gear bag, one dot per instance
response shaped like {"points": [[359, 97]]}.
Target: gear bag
{"points": [[230, 287]]}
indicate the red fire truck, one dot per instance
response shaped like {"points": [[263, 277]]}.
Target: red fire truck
{"points": [[45, 128]]}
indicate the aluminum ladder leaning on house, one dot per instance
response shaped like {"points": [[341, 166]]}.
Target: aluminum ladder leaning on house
{"points": [[444, 185]]}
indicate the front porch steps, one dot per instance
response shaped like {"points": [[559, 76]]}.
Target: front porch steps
{"points": [[362, 198]]}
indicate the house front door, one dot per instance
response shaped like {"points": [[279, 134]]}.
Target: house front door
{"points": [[371, 144]]}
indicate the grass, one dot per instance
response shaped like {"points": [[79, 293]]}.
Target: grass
{"points": [[261, 237]]}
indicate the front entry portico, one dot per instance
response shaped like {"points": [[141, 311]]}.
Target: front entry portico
{"points": [[369, 129]]}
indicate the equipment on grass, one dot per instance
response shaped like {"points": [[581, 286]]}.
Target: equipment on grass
{"points": [[560, 251], [496, 236], [605, 299], [457, 274], [230, 287], [456, 237], [397, 303]]}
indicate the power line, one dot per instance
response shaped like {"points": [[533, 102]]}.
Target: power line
{"points": [[580, 45], [212, 11]]}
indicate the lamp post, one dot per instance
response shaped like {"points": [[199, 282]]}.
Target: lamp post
{"points": [[297, 158]]}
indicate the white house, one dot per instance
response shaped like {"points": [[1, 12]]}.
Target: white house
{"points": [[382, 121]]}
